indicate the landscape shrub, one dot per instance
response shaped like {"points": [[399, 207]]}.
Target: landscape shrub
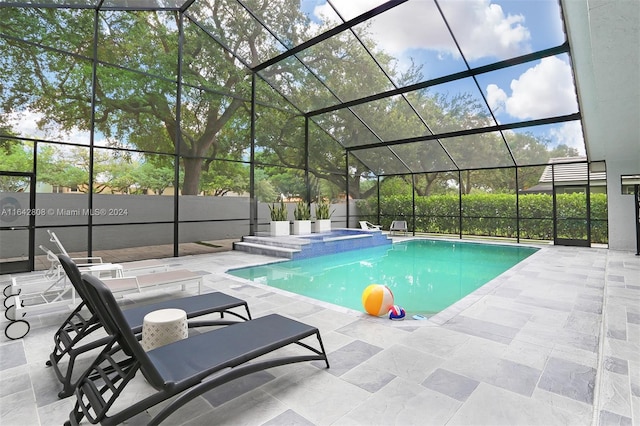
{"points": [[491, 214]]}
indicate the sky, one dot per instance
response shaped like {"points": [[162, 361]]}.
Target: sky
{"points": [[26, 123], [486, 31]]}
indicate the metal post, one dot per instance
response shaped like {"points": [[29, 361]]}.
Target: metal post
{"points": [[176, 165], [94, 83], [636, 191], [460, 204], [517, 207], [413, 204], [379, 219], [588, 195], [253, 200], [555, 205], [306, 162], [346, 176]]}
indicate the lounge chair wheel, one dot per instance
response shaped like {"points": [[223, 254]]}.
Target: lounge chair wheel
{"points": [[7, 291], [10, 314], [17, 330], [9, 302], [48, 363]]}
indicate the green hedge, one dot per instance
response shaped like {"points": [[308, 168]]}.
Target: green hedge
{"points": [[491, 214]]}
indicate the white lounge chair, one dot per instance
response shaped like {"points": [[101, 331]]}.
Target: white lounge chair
{"points": [[154, 281], [398, 226], [19, 303], [130, 268], [78, 260], [148, 266], [368, 226], [56, 274], [43, 295]]}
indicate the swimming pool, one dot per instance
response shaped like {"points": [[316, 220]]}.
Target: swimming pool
{"points": [[425, 276]]}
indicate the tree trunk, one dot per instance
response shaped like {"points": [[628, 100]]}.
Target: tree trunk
{"points": [[466, 188], [354, 187], [430, 179], [423, 190], [192, 171]]}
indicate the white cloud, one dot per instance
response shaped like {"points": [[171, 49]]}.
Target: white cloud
{"points": [[349, 9], [25, 123], [545, 90], [569, 134], [482, 28], [496, 97]]}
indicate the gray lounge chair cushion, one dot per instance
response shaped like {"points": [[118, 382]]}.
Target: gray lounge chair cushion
{"points": [[226, 347], [194, 306]]}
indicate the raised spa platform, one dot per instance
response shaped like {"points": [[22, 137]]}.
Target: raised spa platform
{"points": [[312, 245]]}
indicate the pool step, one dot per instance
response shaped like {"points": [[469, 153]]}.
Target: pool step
{"points": [[265, 249], [303, 247], [291, 242]]}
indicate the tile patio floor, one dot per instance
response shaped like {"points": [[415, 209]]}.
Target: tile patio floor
{"points": [[553, 341]]}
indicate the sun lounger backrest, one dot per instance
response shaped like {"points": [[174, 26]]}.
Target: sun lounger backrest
{"points": [[51, 256], [399, 225], [54, 239], [115, 323], [368, 226]]}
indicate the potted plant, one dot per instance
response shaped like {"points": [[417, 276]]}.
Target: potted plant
{"points": [[323, 216], [279, 225], [302, 219]]}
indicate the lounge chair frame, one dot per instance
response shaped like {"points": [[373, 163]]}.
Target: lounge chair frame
{"points": [[25, 297], [182, 369], [138, 283], [80, 260], [57, 293], [56, 274], [21, 298], [398, 226], [150, 265], [368, 226], [72, 337]]}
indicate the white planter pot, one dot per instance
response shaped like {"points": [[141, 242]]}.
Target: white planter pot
{"points": [[323, 225], [279, 228], [301, 227]]}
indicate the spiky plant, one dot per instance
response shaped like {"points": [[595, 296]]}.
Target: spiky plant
{"points": [[322, 210], [278, 213], [302, 211]]}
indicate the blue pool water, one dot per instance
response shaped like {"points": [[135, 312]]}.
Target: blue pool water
{"points": [[425, 276]]}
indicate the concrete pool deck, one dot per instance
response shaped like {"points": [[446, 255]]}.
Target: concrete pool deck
{"points": [[553, 341]]}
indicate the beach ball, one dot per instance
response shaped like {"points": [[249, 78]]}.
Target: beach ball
{"points": [[396, 313], [377, 299]]}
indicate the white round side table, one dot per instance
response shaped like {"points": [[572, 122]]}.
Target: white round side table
{"points": [[162, 327]]}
